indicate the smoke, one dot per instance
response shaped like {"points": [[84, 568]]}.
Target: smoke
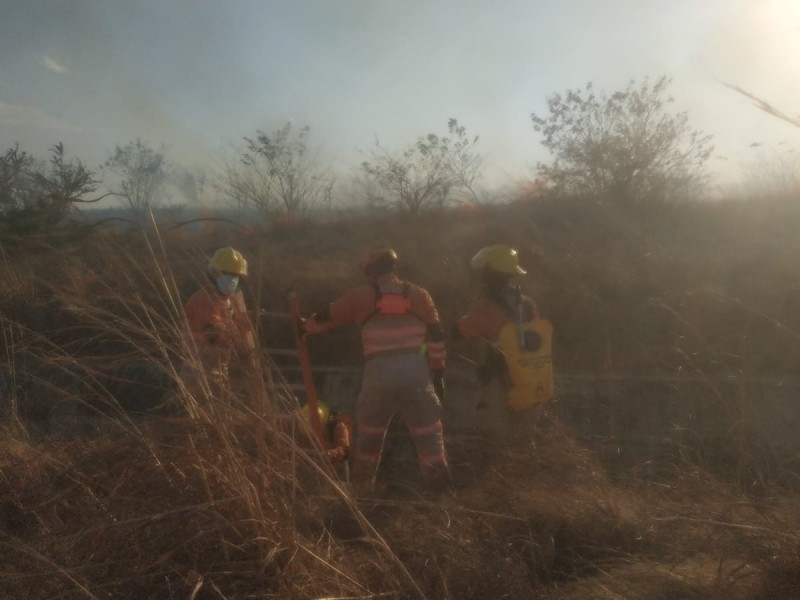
{"points": [[29, 116], [758, 48]]}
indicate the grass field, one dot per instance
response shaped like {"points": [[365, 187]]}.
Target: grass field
{"points": [[110, 491]]}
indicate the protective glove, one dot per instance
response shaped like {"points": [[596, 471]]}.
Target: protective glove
{"points": [[309, 326], [437, 377]]}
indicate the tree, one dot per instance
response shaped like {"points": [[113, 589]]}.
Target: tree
{"points": [[38, 197], [772, 173], [142, 172], [276, 172], [426, 174], [625, 148]]}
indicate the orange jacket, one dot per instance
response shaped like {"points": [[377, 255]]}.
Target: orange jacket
{"points": [[413, 330], [218, 323], [340, 441], [487, 316]]}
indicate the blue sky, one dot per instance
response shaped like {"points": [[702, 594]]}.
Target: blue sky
{"points": [[198, 75]]}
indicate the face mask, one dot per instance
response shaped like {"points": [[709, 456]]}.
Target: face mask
{"points": [[227, 284]]}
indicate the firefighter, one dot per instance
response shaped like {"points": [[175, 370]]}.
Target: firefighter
{"points": [[516, 369], [216, 315], [336, 428], [404, 351]]}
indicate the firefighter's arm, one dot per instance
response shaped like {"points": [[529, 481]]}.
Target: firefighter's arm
{"points": [[425, 309], [203, 326], [248, 340], [437, 356], [244, 325], [337, 313], [340, 444], [437, 351], [471, 325]]}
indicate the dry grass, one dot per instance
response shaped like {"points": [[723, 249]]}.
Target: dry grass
{"points": [[209, 495]]}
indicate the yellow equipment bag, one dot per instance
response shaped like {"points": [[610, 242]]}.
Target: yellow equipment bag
{"points": [[527, 349]]}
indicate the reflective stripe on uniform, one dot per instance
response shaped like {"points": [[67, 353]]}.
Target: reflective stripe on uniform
{"points": [[436, 349], [369, 444], [429, 443], [370, 430], [435, 427], [386, 333], [437, 353]]}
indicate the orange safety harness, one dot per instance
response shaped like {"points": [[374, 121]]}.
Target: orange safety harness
{"points": [[390, 304], [396, 306]]}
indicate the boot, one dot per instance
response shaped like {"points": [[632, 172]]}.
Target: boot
{"points": [[436, 481]]}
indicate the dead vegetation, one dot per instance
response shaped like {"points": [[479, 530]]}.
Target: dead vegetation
{"points": [[216, 497]]}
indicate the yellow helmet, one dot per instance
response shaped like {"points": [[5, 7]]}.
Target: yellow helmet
{"points": [[500, 258], [228, 260], [322, 411]]}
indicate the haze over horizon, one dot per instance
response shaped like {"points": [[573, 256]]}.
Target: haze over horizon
{"points": [[199, 76]]}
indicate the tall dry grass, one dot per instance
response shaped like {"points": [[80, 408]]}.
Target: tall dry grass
{"points": [[207, 491], [213, 494]]}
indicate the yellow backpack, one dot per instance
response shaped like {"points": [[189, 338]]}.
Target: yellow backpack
{"points": [[527, 348]]}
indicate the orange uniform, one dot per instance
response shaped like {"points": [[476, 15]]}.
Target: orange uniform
{"points": [[410, 325], [402, 341], [487, 316], [339, 438], [220, 329], [484, 320]]}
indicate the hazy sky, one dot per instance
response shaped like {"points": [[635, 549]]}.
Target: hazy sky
{"points": [[198, 75]]}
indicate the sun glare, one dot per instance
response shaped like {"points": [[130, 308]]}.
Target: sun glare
{"points": [[776, 27]]}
